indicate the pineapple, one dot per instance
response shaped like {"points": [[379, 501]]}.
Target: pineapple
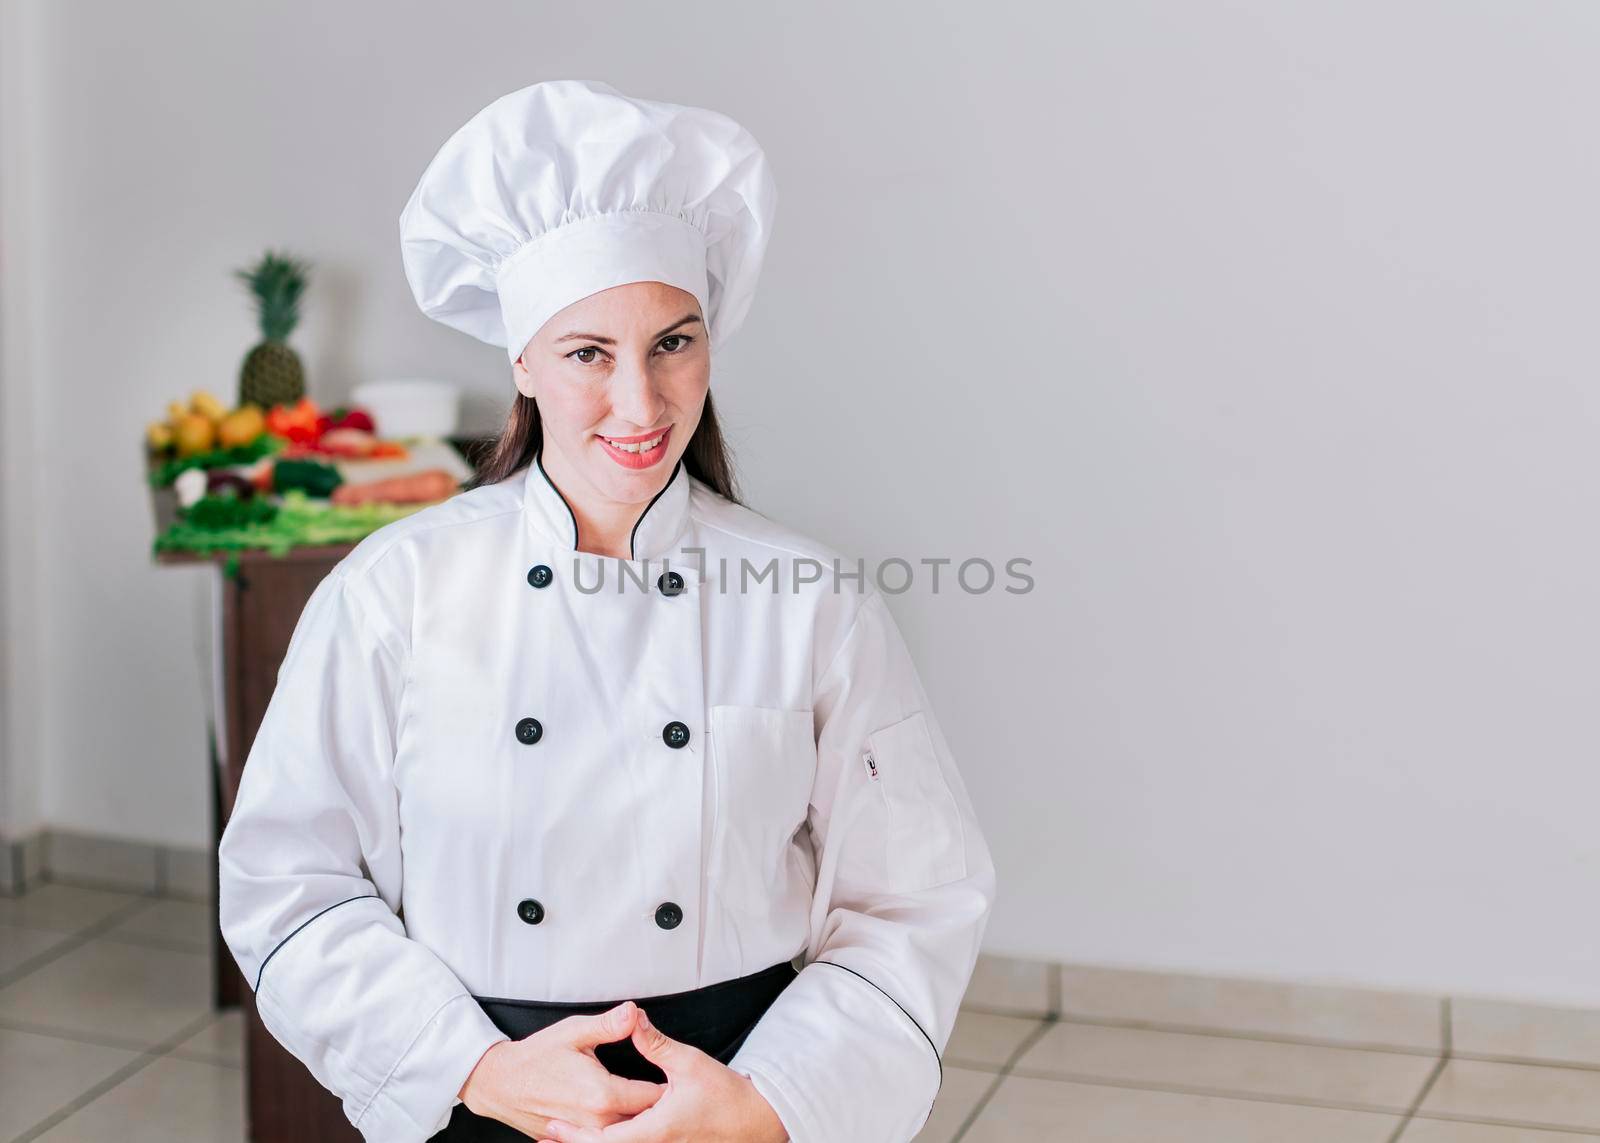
{"points": [[272, 373]]}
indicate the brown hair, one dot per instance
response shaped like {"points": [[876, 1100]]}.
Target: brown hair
{"points": [[706, 458]]}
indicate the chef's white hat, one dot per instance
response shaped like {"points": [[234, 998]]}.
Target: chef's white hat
{"points": [[568, 187]]}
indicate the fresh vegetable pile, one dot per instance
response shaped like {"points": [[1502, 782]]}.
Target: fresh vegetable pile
{"points": [[267, 478], [298, 521]]}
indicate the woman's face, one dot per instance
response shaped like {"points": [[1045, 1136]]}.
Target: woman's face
{"points": [[620, 378]]}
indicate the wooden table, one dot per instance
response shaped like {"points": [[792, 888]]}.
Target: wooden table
{"points": [[259, 608]]}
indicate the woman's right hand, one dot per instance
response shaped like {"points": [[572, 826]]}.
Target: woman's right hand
{"points": [[554, 1074]]}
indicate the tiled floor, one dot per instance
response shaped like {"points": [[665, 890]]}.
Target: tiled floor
{"points": [[106, 1033]]}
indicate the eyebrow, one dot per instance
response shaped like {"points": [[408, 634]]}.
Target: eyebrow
{"points": [[612, 341]]}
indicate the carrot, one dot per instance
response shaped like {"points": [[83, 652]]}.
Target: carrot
{"points": [[412, 488]]}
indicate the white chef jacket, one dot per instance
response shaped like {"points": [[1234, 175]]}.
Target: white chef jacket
{"points": [[399, 810]]}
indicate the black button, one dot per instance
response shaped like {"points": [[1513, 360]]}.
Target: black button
{"points": [[530, 911], [529, 731], [670, 583], [675, 734], [539, 575], [668, 915]]}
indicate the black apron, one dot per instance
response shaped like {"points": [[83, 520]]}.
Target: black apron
{"points": [[716, 1019]]}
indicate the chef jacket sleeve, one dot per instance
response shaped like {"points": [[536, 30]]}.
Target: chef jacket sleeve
{"points": [[850, 1050], [309, 883]]}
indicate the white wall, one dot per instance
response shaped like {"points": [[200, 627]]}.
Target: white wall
{"points": [[1265, 330], [21, 765]]}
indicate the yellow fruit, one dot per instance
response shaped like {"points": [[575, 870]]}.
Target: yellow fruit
{"points": [[158, 435], [207, 405], [241, 426], [195, 433], [176, 411]]}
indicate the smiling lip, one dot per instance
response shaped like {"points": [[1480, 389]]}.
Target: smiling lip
{"points": [[637, 460], [635, 440]]}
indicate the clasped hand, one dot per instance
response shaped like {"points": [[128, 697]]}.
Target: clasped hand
{"points": [[551, 1086]]}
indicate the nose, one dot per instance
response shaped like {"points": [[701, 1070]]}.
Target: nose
{"points": [[635, 393]]}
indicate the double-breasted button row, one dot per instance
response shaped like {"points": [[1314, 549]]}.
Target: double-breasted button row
{"points": [[667, 583], [675, 734], [669, 915]]}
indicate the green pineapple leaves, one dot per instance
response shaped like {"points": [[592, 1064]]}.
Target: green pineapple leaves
{"points": [[277, 282]]}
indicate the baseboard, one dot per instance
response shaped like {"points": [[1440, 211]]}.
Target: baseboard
{"points": [[21, 864], [111, 863], [1432, 1024]]}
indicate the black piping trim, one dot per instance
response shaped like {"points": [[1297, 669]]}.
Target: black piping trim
{"points": [[634, 534], [538, 458], [300, 926], [910, 1017]]}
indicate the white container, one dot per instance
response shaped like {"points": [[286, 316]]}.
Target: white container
{"points": [[410, 406]]}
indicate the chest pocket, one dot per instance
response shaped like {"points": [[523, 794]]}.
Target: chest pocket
{"points": [[766, 761], [924, 837]]}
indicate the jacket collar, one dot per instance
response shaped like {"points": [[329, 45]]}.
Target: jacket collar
{"points": [[656, 532]]}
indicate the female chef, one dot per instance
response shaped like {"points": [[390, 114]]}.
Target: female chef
{"points": [[592, 805]]}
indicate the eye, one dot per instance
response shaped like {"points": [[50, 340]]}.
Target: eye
{"points": [[585, 349], [683, 339]]}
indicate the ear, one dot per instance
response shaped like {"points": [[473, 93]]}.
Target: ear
{"points": [[521, 376]]}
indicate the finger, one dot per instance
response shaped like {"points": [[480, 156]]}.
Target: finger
{"points": [[658, 1047], [631, 1096], [649, 1127], [603, 1027], [561, 1132]]}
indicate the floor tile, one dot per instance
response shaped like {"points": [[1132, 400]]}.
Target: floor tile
{"points": [[1439, 1131], [19, 945], [958, 1095], [171, 920], [1010, 984], [42, 1074], [1055, 1111], [1525, 1094], [1349, 1077], [1532, 1032], [987, 1040], [219, 1042], [113, 990], [63, 908], [168, 1101], [1352, 1016]]}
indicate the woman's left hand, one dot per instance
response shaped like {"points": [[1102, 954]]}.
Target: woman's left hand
{"points": [[705, 1101]]}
